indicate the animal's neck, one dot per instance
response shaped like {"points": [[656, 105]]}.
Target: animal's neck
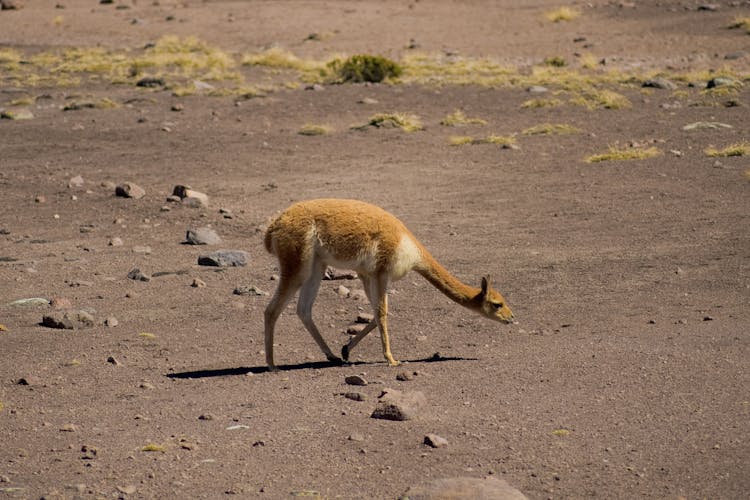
{"points": [[444, 281]]}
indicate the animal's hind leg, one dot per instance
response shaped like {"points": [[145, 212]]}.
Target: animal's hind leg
{"points": [[285, 291], [347, 349], [307, 295]]}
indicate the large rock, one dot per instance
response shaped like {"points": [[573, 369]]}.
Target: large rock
{"points": [[464, 488], [397, 405], [68, 320], [224, 258], [130, 190], [202, 236], [190, 196]]}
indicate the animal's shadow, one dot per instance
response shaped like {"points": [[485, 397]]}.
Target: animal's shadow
{"points": [[226, 372]]}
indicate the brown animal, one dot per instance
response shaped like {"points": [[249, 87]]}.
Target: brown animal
{"points": [[311, 235]]}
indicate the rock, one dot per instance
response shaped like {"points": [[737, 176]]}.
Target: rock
{"points": [[659, 83], [115, 242], [367, 100], [357, 437], [397, 405], [127, 490], [69, 428], [16, 114], [29, 380], [136, 275], [435, 441], [249, 290], [334, 274], [130, 190], [202, 236], [355, 329], [711, 7], [198, 283], [537, 89], [706, 125], [33, 301], [111, 322], [722, 81], [358, 295], [150, 82], [365, 318], [113, 361], [342, 291], [60, 303], [145, 250], [224, 258], [354, 396], [404, 376], [68, 320], [465, 488], [76, 182], [355, 380], [190, 196], [11, 4], [40, 199]]}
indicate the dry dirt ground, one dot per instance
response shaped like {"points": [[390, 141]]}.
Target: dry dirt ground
{"points": [[626, 375]]}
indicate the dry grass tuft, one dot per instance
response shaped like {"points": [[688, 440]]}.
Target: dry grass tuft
{"points": [[551, 129], [313, 129], [738, 149], [616, 153], [405, 121], [458, 119], [460, 140], [562, 14]]}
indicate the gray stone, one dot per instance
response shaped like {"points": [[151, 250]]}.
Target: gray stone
{"points": [[342, 291], [464, 488], [537, 89], [354, 396], [224, 258], [111, 322], [722, 81], [706, 125], [16, 114], [251, 290], [198, 283], [115, 242], [365, 318], [76, 182], [190, 196], [130, 190], [202, 236], [435, 441], [355, 380], [68, 320], [660, 83], [355, 328], [397, 405], [136, 275]]}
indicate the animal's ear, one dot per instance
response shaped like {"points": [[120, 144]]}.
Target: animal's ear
{"points": [[485, 285]]}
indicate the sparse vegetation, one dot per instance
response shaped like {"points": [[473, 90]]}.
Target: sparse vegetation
{"points": [[562, 14], [555, 62], [741, 22], [312, 129], [616, 153], [364, 68], [150, 447], [541, 103], [506, 141], [738, 149], [405, 121], [551, 129], [147, 336], [458, 119], [601, 98], [104, 103]]}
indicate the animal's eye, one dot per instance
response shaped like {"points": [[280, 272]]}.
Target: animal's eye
{"points": [[498, 305]]}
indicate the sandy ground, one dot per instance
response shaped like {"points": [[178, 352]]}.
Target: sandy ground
{"points": [[626, 375]]}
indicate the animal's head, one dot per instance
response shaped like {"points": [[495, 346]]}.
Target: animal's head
{"points": [[492, 304]]}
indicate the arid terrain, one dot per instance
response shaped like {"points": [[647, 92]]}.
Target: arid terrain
{"points": [[594, 161]]}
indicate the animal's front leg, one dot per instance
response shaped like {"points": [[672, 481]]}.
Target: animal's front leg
{"points": [[382, 312]]}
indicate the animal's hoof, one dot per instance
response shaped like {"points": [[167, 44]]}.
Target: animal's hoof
{"points": [[335, 360], [345, 352]]}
